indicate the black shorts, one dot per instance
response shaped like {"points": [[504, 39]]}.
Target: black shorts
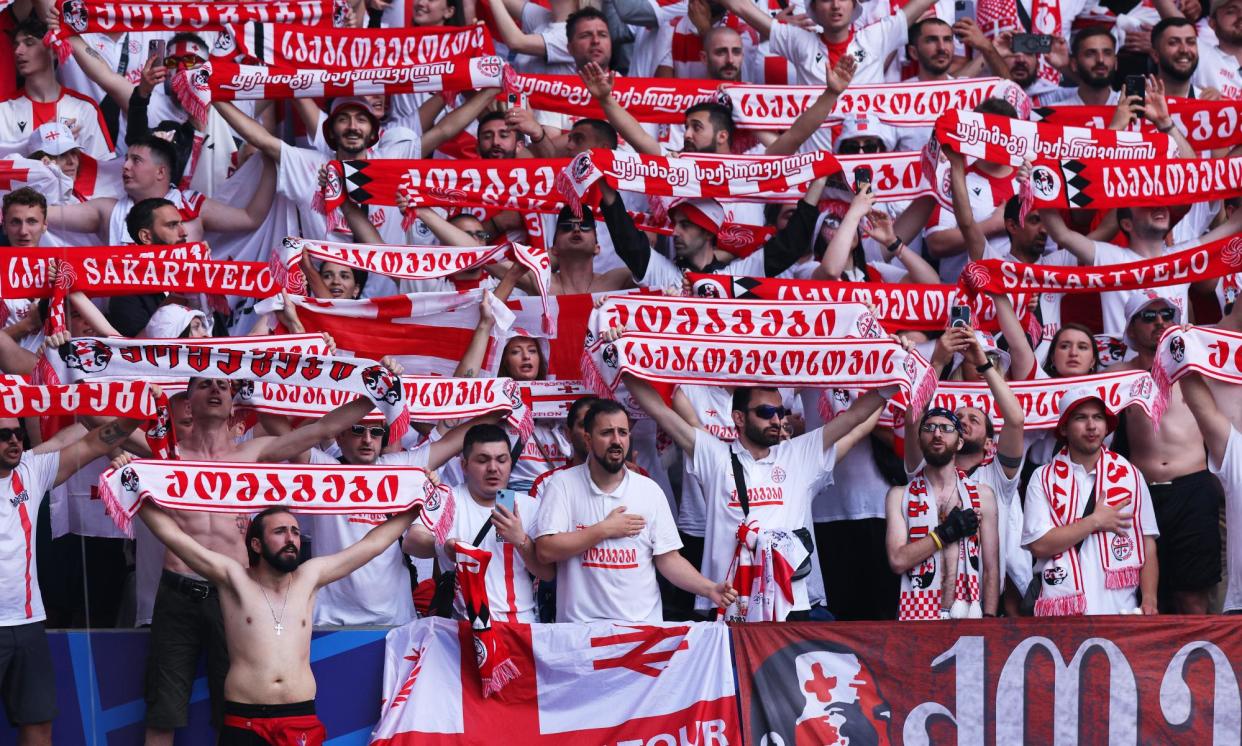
{"points": [[1188, 515], [185, 623], [27, 682]]}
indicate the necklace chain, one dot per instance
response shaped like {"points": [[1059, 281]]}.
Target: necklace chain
{"points": [[276, 620]]}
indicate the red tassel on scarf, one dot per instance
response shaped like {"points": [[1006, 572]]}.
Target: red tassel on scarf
{"points": [[496, 668]]}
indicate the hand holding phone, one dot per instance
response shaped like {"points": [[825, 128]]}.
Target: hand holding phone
{"points": [[862, 178], [963, 9], [959, 316], [506, 499], [1032, 44]]}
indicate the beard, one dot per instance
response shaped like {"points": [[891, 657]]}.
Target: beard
{"points": [[1098, 82], [1180, 76], [970, 447], [760, 437], [281, 561], [606, 460], [938, 459]]}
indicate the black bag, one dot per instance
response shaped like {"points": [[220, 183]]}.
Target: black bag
{"points": [[803, 534], [446, 582], [1037, 582]]}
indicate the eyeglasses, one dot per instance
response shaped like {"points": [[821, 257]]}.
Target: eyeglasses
{"points": [[566, 226], [184, 62], [7, 433], [376, 431], [479, 235], [767, 411], [1148, 316], [854, 147], [938, 427]]}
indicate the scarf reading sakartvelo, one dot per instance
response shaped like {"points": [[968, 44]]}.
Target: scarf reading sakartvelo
{"points": [[84, 357], [1215, 353], [720, 178], [225, 487], [221, 80], [409, 262], [923, 594], [496, 668], [900, 306], [25, 273], [132, 399], [1104, 184], [79, 17], [1207, 125], [290, 45], [1121, 555]]}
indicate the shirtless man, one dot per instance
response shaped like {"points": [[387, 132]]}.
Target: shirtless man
{"points": [[187, 602], [1186, 497], [270, 690]]}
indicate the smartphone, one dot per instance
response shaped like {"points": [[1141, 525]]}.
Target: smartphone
{"points": [[506, 499], [963, 9], [1136, 85], [862, 177], [513, 100], [959, 316], [1033, 44]]}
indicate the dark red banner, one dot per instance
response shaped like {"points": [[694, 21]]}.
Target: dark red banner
{"points": [[1103, 680]]}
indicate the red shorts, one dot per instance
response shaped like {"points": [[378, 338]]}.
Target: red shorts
{"points": [[271, 725]]}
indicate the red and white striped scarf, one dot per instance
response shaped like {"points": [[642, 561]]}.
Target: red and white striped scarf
{"points": [[649, 100], [105, 17], [132, 399], [764, 562], [923, 594], [221, 80], [290, 45], [1120, 555], [756, 178], [24, 272], [496, 668], [1097, 184], [997, 139], [1208, 125], [229, 487], [1215, 353], [1046, 19]]}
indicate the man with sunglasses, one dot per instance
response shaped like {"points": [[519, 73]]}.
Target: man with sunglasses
{"points": [[1186, 497], [781, 478], [929, 564], [26, 477]]}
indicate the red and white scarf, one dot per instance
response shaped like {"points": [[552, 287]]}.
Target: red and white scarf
{"points": [[907, 104], [1208, 125], [291, 45], [24, 272], [552, 399], [1216, 353], [408, 262], [1046, 19], [1104, 184], [721, 177], [496, 668], [132, 399], [649, 100], [923, 594], [104, 17], [229, 487], [901, 306], [997, 139], [1040, 399], [85, 357], [1121, 555], [1203, 262], [762, 571], [221, 80]]}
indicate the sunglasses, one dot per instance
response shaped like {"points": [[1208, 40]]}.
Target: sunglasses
{"points": [[574, 225], [479, 235], [767, 411], [376, 431], [7, 433], [937, 427], [1149, 316], [184, 62], [854, 147]]}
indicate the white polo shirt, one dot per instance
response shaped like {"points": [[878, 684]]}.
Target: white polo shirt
{"points": [[21, 602], [780, 488], [615, 580], [1229, 472], [510, 590]]}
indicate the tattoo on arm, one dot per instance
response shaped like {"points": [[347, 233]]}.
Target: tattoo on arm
{"points": [[114, 432], [91, 51]]}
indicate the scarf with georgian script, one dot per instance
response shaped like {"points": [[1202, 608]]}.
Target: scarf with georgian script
{"points": [[900, 306], [723, 177], [715, 342], [85, 357], [762, 570], [221, 80], [226, 487], [1097, 184], [1208, 125], [105, 17], [649, 100], [291, 45], [1215, 353], [496, 668], [923, 594], [26, 272], [1206, 261], [408, 262], [132, 399], [1121, 555], [997, 139]]}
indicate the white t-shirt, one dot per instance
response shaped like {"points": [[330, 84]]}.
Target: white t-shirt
{"points": [[510, 589], [986, 194], [714, 407], [20, 599], [77, 508], [870, 45], [780, 487], [19, 117], [378, 592], [1113, 303], [546, 449], [1038, 521], [615, 580], [1217, 68], [1229, 472], [857, 489]]}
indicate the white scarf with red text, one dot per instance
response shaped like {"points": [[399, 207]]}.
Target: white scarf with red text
{"points": [[1215, 353], [762, 571], [923, 594], [132, 399]]}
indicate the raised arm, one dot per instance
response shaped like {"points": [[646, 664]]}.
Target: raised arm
{"points": [[90, 216], [225, 218], [839, 77], [471, 363], [211, 565], [456, 120], [847, 428], [749, 12], [837, 255], [1215, 426], [972, 235], [114, 84], [669, 421], [512, 35], [1010, 445], [445, 231], [600, 85], [15, 359], [333, 567], [1067, 238], [295, 442], [1021, 356], [794, 241], [98, 442], [250, 130]]}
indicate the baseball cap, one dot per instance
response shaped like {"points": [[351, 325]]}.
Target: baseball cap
{"points": [[567, 215], [171, 320], [52, 138], [705, 213], [1076, 396], [1141, 300], [867, 125], [342, 102]]}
